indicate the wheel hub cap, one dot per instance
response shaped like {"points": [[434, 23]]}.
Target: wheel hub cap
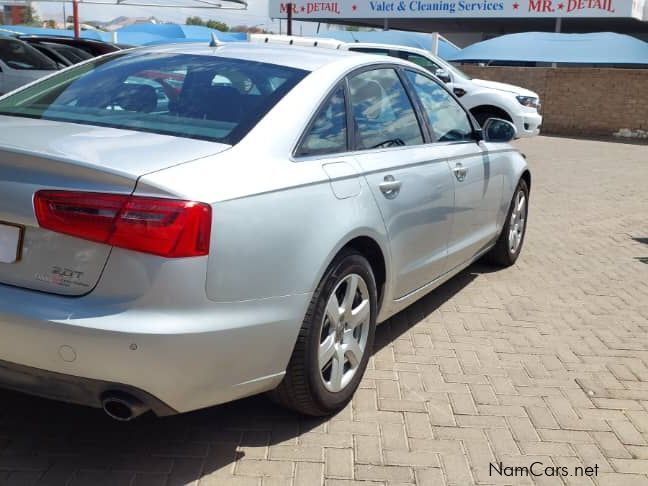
{"points": [[344, 332], [518, 222]]}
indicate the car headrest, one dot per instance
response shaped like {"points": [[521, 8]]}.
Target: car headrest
{"points": [[371, 98], [137, 97], [369, 90]]}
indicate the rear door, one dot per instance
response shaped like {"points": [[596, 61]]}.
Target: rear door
{"points": [[478, 178], [410, 181]]}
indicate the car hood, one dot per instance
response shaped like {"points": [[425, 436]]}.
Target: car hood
{"points": [[121, 152], [508, 88]]}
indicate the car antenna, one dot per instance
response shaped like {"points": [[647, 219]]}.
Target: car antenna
{"points": [[214, 41]]}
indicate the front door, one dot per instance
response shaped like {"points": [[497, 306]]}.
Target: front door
{"points": [[477, 179], [412, 185]]}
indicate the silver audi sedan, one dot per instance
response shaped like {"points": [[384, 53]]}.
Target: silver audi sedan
{"points": [[186, 225]]}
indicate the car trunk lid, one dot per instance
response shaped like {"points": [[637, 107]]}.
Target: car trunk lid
{"points": [[44, 155]]}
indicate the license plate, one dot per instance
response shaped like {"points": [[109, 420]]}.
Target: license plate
{"points": [[10, 241]]}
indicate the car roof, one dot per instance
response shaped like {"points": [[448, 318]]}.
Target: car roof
{"points": [[306, 58]]}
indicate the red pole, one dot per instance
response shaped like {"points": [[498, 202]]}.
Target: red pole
{"points": [[75, 13], [290, 17]]}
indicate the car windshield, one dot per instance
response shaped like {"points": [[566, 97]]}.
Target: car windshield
{"points": [[193, 96], [19, 55]]}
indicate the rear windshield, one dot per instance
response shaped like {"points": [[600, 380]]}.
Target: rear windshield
{"points": [[192, 96]]}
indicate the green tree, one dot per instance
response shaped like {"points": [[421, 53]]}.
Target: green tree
{"points": [[212, 24], [30, 17], [215, 24], [194, 21]]}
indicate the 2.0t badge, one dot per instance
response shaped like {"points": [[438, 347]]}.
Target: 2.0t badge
{"points": [[63, 277]]}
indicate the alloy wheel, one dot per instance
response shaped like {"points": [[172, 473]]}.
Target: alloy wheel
{"points": [[518, 222], [344, 332]]}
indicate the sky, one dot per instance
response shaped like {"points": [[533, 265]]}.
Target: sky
{"points": [[256, 13]]}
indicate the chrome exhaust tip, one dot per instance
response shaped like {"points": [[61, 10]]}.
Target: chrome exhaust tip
{"points": [[123, 407]]}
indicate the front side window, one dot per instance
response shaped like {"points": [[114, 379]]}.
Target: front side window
{"points": [[22, 56], [447, 119], [382, 111], [184, 95], [328, 133], [422, 61]]}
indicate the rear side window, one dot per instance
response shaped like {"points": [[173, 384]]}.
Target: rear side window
{"points": [[328, 133], [193, 96], [22, 56], [447, 119], [382, 111]]}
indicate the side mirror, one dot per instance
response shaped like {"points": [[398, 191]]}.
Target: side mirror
{"points": [[498, 130], [443, 75]]}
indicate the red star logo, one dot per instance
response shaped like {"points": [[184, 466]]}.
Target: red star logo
{"points": [[561, 6], [303, 9], [516, 6], [354, 8]]}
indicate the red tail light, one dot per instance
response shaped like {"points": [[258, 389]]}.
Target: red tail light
{"points": [[165, 227]]}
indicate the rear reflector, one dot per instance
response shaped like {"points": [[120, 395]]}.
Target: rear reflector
{"points": [[165, 227]]}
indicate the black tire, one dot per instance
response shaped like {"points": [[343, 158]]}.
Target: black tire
{"points": [[502, 254], [303, 388]]}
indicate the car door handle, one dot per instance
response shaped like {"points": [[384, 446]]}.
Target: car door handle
{"points": [[391, 187], [460, 172]]}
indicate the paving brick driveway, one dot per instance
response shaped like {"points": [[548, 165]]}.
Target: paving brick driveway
{"points": [[546, 361]]}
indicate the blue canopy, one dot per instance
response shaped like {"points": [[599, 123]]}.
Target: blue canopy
{"points": [[139, 34], [395, 37], [175, 32], [597, 48]]}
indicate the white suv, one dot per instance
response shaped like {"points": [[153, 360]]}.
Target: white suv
{"points": [[484, 99]]}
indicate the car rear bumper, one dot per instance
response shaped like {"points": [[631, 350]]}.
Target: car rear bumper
{"points": [[175, 361], [71, 389]]}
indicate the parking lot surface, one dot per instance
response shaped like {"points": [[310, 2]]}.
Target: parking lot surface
{"points": [[545, 362]]}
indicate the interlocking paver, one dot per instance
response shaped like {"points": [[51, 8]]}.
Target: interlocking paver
{"points": [[546, 361]]}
